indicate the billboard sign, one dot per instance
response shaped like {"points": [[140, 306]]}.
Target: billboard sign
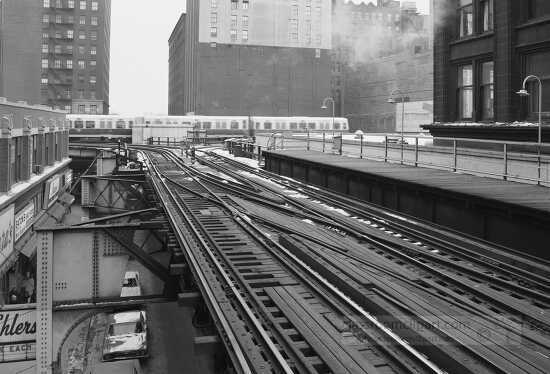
{"points": [[23, 220], [18, 325], [6, 233], [18, 352]]}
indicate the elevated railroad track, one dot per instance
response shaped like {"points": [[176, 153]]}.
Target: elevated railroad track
{"points": [[300, 280]]}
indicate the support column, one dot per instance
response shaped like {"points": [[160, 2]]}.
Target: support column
{"points": [[44, 291]]}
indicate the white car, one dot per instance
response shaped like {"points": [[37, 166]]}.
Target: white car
{"points": [[126, 336], [130, 285]]}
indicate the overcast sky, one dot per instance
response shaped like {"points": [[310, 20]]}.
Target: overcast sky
{"points": [[139, 53]]}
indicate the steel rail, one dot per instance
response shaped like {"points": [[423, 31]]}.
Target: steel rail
{"points": [[335, 291], [235, 292], [232, 345]]}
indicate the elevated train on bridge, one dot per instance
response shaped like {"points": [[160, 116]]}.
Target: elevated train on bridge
{"points": [[112, 128]]}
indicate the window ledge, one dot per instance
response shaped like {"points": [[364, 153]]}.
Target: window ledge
{"points": [[473, 37], [534, 22]]}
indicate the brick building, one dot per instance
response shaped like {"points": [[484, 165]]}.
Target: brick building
{"points": [[482, 52], [376, 49], [56, 53], [243, 57], [34, 144]]}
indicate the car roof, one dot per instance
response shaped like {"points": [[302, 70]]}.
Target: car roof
{"points": [[131, 274], [122, 317]]}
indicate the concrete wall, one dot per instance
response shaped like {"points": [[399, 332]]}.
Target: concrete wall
{"points": [[256, 80], [20, 40]]}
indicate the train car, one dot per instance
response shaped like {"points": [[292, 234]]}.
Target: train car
{"points": [[142, 129], [100, 128], [249, 125]]}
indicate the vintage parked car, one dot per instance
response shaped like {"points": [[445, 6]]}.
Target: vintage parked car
{"points": [[126, 336]]}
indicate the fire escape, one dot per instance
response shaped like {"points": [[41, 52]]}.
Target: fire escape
{"points": [[59, 73]]}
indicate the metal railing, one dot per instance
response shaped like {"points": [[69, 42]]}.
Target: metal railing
{"points": [[526, 162]]}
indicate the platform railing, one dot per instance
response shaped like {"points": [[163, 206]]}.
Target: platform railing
{"points": [[526, 162]]}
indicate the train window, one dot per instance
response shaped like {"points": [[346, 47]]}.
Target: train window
{"points": [[109, 125], [336, 125], [268, 125], [158, 122], [311, 125], [224, 125], [90, 124], [293, 126], [131, 123], [207, 125], [303, 126], [120, 124], [102, 124], [147, 122], [78, 124], [234, 125], [278, 125]]}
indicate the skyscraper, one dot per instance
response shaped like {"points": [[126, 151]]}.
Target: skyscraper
{"points": [[261, 57], [56, 53]]}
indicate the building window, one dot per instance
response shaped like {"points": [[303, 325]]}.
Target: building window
{"points": [[45, 48], [46, 3], [83, 5], [57, 64], [234, 4], [93, 109], [58, 19], [93, 63], [213, 32], [45, 35], [95, 5], [69, 64], [487, 91], [245, 21], [82, 20], [81, 108], [44, 81], [92, 95], [538, 8], [233, 21], [70, 34], [45, 63], [465, 92], [58, 4], [81, 64], [93, 50], [213, 4], [465, 18], [81, 80], [45, 18], [93, 35], [245, 36], [94, 21], [245, 4], [233, 34], [487, 15], [92, 79], [81, 49], [537, 64], [57, 49], [82, 35], [70, 4]]}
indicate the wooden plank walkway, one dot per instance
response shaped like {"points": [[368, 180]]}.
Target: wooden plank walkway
{"points": [[500, 191]]}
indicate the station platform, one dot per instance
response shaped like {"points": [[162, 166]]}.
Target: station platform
{"points": [[514, 215]]}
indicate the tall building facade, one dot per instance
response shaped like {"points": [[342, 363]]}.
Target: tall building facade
{"points": [[257, 57], [483, 50], [56, 53], [378, 48]]}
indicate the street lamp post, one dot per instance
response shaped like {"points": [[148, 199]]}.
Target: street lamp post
{"points": [[324, 106], [392, 100], [523, 92]]}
